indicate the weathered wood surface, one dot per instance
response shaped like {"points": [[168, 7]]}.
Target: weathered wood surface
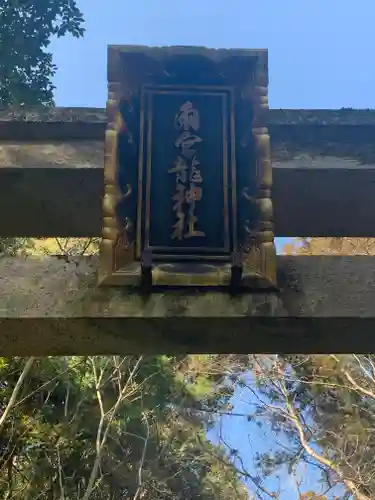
{"points": [[51, 172], [49, 306]]}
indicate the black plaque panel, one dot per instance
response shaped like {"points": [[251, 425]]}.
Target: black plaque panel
{"points": [[187, 178]]}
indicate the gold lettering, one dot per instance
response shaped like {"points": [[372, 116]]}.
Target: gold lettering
{"points": [[180, 169], [196, 176], [179, 226], [194, 193], [192, 231], [179, 195], [195, 162], [185, 141], [195, 173], [179, 198], [187, 118]]}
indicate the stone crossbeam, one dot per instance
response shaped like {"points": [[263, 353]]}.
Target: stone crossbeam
{"points": [[51, 172], [51, 306]]}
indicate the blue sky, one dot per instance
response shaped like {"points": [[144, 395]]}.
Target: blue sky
{"points": [[320, 56], [320, 51]]}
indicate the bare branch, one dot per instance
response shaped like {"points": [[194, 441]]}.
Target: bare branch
{"points": [[16, 390]]}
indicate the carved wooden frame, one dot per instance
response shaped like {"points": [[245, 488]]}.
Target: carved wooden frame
{"points": [[259, 251], [256, 260], [117, 238]]}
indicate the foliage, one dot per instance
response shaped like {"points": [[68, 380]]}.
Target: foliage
{"points": [[321, 409], [331, 246], [109, 428], [15, 246], [26, 29], [310, 495], [325, 405]]}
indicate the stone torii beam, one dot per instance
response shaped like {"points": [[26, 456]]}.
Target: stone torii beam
{"points": [[51, 172], [51, 179], [50, 306]]}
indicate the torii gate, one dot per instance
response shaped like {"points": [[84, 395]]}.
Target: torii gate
{"points": [[51, 184]]}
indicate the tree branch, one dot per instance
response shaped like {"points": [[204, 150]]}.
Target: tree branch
{"points": [[16, 390]]}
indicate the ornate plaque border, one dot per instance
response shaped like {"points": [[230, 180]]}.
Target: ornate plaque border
{"points": [[255, 263], [229, 169]]}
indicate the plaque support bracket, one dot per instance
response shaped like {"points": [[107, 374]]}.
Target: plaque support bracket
{"points": [[146, 270], [236, 272]]}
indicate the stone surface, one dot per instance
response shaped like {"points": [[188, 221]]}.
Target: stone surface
{"points": [[343, 116], [52, 287], [52, 114], [324, 172], [318, 286], [324, 178], [321, 196], [78, 154], [52, 306], [75, 154], [344, 133]]}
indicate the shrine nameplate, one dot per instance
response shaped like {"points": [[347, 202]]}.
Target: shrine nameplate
{"points": [[187, 187], [187, 174]]}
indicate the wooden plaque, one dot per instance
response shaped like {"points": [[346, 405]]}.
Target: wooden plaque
{"points": [[185, 196], [187, 173]]}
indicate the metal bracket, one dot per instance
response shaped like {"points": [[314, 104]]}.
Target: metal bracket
{"points": [[236, 271], [146, 270]]}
